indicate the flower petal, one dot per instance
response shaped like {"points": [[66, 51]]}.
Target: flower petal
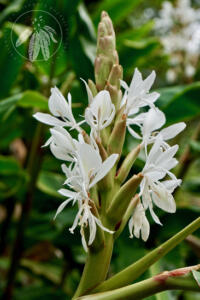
{"points": [[48, 119], [58, 105], [105, 168], [62, 206], [171, 131]]}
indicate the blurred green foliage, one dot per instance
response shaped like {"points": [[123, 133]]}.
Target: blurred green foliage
{"points": [[53, 258]]}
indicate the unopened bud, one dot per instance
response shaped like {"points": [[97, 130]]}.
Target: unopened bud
{"points": [[116, 140], [92, 87], [122, 199], [103, 66], [115, 75], [115, 94], [127, 164]]}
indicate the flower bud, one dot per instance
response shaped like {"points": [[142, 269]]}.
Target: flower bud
{"points": [[115, 75], [127, 164], [107, 55], [122, 199], [103, 66], [115, 94], [116, 140], [92, 87]]}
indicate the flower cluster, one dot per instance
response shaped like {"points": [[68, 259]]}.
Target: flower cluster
{"points": [[179, 27], [160, 159], [88, 159], [85, 166]]}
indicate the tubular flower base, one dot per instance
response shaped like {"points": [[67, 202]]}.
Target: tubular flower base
{"points": [[100, 182]]}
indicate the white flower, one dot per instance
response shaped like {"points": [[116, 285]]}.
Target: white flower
{"points": [[137, 95], [85, 218], [91, 166], [153, 191], [151, 121], [100, 113], [83, 173], [139, 223], [148, 122], [61, 111], [62, 145]]}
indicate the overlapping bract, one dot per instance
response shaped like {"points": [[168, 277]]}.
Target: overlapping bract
{"points": [[84, 166]]}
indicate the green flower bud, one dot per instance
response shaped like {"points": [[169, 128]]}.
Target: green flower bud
{"points": [[122, 199], [92, 87], [127, 164], [116, 140]]}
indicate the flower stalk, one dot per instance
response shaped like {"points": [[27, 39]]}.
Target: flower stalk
{"points": [[105, 199]]}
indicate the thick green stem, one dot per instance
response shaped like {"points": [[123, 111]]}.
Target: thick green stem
{"points": [[128, 275], [146, 288], [96, 267]]}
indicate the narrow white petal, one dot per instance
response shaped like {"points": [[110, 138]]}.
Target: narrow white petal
{"points": [[48, 142], [63, 139], [171, 131], [136, 81], [145, 230], [48, 119], [67, 193], [133, 133], [105, 168], [60, 153], [61, 207], [89, 93], [154, 216], [163, 199], [58, 105], [155, 119], [89, 158], [148, 82], [124, 84]]}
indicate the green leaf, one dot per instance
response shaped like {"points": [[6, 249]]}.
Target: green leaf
{"points": [[10, 60], [49, 183], [132, 272], [14, 7], [85, 17], [196, 276], [134, 34], [183, 105], [52, 273], [12, 176], [9, 103], [8, 165], [27, 99], [167, 94], [33, 99], [195, 147], [118, 10]]}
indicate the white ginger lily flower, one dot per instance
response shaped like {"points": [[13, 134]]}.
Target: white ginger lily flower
{"points": [[91, 166], [149, 122], [61, 111], [85, 218], [137, 95], [100, 112], [139, 223], [153, 191], [86, 170], [62, 145]]}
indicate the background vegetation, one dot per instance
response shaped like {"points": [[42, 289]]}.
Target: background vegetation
{"points": [[40, 259]]}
